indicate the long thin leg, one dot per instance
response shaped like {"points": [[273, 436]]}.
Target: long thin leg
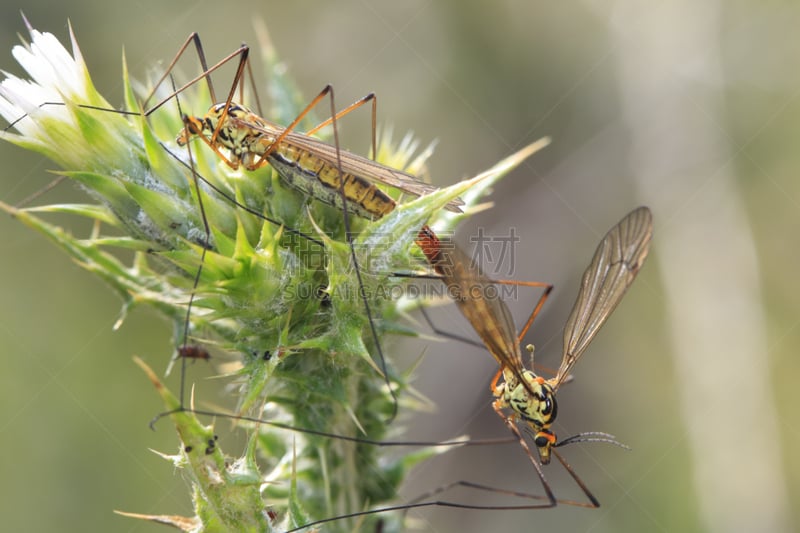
{"points": [[349, 238], [495, 379], [194, 38], [547, 501], [512, 426], [594, 502], [448, 334], [31, 197], [535, 312], [355, 105], [237, 80], [326, 91], [253, 88], [207, 232]]}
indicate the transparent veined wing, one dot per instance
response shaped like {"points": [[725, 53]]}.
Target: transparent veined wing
{"points": [[615, 264]]}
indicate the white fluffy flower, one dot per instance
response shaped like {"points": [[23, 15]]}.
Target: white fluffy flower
{"points": [[45, 109]]}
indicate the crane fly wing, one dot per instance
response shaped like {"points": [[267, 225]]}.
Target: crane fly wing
{"points": [[354, 164], [367, 168], [478, 300], [614, 266]]}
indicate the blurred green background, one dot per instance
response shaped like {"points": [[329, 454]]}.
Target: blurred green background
{"points": [[690, 109]]}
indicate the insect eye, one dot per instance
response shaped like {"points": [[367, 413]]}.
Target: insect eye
{"points": [[194, 125], [548, 406]]}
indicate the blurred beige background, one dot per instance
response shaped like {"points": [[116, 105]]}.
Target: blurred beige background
{"points": [[692, 110]]}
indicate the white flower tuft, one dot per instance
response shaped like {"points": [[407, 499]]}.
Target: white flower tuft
{"points": [[56, 76]]}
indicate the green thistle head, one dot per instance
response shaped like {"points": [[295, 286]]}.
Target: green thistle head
{"points": [[284, 296]]}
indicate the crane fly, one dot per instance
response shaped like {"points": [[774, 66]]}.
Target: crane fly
{"points": [[323, 171], [529, 397], [320, 170]]}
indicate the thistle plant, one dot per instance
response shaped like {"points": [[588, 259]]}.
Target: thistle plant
{"points": [[284, 297]]}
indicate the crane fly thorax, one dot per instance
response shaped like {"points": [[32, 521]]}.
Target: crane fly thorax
{"points": [[229, 126], [534, 401]]}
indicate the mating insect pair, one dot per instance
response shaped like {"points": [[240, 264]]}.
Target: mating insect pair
{"points": [[333, 176]]}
